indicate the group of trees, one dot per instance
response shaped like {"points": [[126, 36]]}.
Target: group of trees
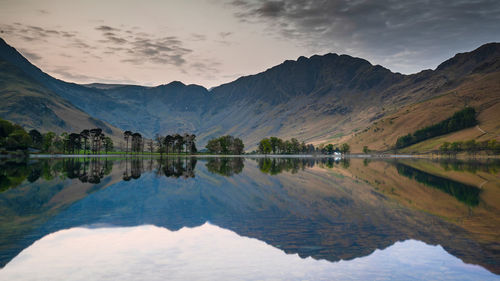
{"points": [[226, 145], [330, 148], [175, 143], [136, 142], [93, 140], [275, 145], [462, 119], [88, 141], [470, 146], [13, 136]]}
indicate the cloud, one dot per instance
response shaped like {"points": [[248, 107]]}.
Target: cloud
{"points": [[33, 33], [403, 32], [106, 28], [138, 47], [225, 34], [30, 55]]}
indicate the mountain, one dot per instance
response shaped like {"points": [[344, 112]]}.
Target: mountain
{"points": [[330, 98], [26, 102], [472, 79]]}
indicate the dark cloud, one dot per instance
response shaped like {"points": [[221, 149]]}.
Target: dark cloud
{"points": [[106, 28], [34, 33], [139, 47], [402, 32], [225, 34]]}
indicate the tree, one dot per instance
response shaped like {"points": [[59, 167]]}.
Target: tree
{"points": [[238, 146], [150, 146], [95, 138], [168, 141], [74, 142], [160, 143], [265, 146], [36, 138], [274, 144], [366, 150], [190, 146], [345, 148], [225, 145], [85, 134], [47, 141], [136, 142], [108, 144], [126, 136], [329, 148]]}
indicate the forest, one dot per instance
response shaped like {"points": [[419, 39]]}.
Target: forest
{"points": [[462, 119]]}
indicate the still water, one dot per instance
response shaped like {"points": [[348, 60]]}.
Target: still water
{"points": [[249, 219]]}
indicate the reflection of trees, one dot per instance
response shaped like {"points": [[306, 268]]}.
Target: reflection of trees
{"points": [[133, 168], [465, 193], [179, 167], [90, 170], [491, 166], [226, 166], [13, 173], [274, 166]]}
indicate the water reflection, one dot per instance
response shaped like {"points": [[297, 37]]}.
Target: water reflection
{"points": [[209, 252], [322, 208], [463, 192], [226, 166]]}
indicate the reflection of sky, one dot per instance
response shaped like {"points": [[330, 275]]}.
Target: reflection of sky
{"points": [[209, 252]]}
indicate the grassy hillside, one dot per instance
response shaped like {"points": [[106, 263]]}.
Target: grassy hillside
{"points": [[479, 90], [26, 102]]}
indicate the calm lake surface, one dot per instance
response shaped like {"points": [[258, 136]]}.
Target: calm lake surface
{"points": [[249, 219]]}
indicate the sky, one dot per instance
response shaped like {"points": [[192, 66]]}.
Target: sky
{"points": [[211, 42]]}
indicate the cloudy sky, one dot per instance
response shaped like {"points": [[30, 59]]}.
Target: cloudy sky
{"points": [[209, 42]]}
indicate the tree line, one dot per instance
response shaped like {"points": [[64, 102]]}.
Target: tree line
{"points": [[15, 137], [175, 143], [470, 146], [275, 145], [88, 141], [462, 119], [226, 145]]}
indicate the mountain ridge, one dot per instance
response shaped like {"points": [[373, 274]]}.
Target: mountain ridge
{"points": [[317, 99]]}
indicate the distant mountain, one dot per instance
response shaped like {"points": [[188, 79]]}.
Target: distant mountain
{"points": [[325, 98]]}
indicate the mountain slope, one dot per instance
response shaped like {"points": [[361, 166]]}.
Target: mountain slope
{"points": [[26, 102], [479, 88]]}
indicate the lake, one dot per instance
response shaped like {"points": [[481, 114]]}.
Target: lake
{"points": [[249, 219]]}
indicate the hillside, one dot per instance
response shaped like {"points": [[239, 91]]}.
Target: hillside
{"points": [[26, 102], [322, 99], [480, 89]]}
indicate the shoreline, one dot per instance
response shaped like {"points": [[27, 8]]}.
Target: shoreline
{"points": [[359, 156]]}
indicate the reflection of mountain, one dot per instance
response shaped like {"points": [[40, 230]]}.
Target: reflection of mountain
{"points": [[209, 252], [315, 212]]}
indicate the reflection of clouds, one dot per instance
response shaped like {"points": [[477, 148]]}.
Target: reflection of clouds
{"points": [[209, 252]]}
